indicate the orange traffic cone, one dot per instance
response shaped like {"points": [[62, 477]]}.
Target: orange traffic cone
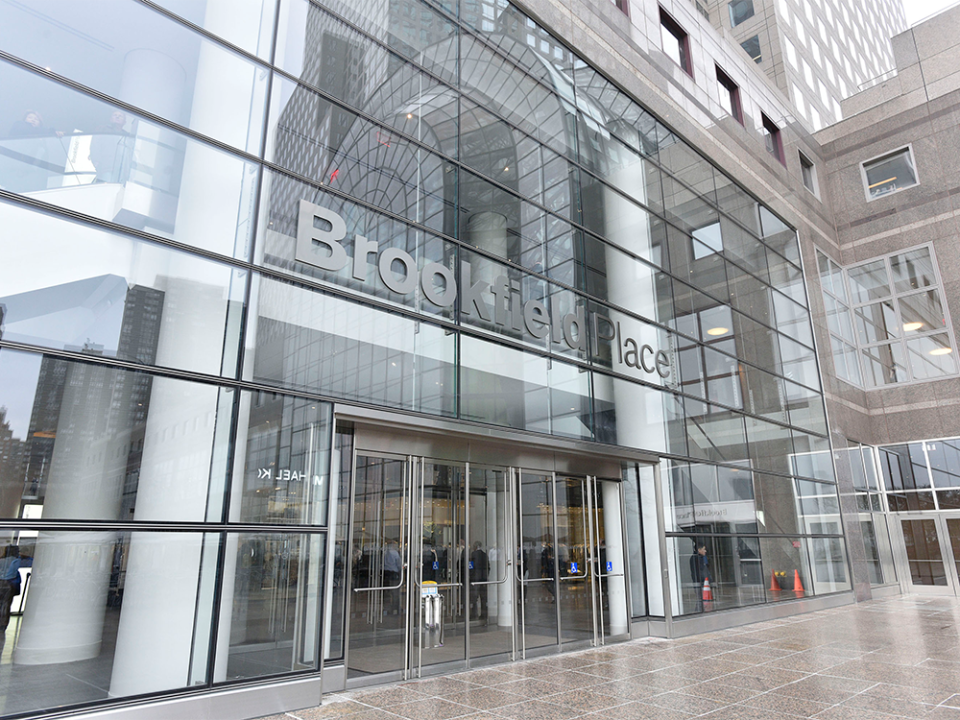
{"points": [[774, 585], [797, 585], [707, 592]]}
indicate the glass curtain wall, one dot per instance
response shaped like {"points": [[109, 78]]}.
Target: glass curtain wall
{"points": [[433, 207]]}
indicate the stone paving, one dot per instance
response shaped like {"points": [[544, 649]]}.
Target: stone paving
{"points": [[879, 660]]}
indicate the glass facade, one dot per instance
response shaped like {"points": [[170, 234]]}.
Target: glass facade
{"points": [[213, 234]]}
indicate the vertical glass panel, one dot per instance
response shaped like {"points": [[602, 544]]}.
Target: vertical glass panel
{"points": [[923, 552], [339, 573], [885, 548], [92, 442], [712, 573], [794, 320], [115, 166], [813, 458], [106, 615], [491, 567], [283, 477], [714, 433], [311, 341], [143, 58], [771, 446], [327, 53], [953, 532], [828, 555], [922, 312], [537, 558], [688, 166], [573, 560], [290, 210], [779, 236], [379, 566], [276, 592], [633, 526], [443, 559], [786, 569], [869, 282], [913, 270], [357, 157], [872, 552], [77, 287]]}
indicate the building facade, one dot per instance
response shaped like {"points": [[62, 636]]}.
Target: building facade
{"points": [[346, 343]]}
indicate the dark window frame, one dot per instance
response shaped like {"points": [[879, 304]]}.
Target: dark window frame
{"points": [[682, 37], [773, 139], [728, 85], [808, 171]]}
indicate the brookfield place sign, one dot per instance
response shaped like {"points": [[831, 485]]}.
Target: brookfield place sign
{"points": [[320, 235]]}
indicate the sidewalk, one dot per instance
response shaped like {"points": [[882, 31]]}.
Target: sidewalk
{"points": [[878, 660]]}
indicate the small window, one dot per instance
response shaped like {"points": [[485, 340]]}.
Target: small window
{"points": [[772, 139], [740, 10], [752, 46], [889, 173], [676, 42], [808, 172], [730, 95]]}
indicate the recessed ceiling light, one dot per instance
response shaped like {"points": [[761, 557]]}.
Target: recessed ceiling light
{"points": [[941, 351], [718, 331], [911, 326]]}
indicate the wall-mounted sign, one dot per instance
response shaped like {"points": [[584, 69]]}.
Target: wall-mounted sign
{"points": [[320, 235], [287, 476]]}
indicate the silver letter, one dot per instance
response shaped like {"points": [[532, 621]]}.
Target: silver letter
{"points": [[309, 236], [361, 248], [409, 283], [449, 294]]}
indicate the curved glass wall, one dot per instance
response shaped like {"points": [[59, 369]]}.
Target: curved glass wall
{"points": [[438, 208]]}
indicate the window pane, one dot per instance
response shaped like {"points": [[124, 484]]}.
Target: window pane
{"points": [[77, 287], [922, 312], [128, 612], [752, 48], [92, 442], [890, 173], [877, 322], [271, 603], [311, 341], [630, 414], [137, 55], [912, 270], [869, 282], [931, 356], [740, 10]]}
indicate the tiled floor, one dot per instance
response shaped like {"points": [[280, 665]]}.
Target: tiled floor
{"points": [[880, 660]]}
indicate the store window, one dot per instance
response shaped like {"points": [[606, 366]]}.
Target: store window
{"points": [[740, 10], [729, 95], [676, 42], [889, 173]]}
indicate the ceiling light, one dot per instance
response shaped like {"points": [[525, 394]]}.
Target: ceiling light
{"points": [[941, 351], [911, 326], [409, 116], [718, 331]]}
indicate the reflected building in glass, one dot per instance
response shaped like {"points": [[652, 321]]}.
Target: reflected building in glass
{"points": [[348, 343]]}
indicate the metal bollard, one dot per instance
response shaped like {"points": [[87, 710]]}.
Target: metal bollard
{"points": [[432, 635]]}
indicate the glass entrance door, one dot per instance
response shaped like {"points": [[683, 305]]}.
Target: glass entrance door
{"points": [[610, 564], [931, 545]]}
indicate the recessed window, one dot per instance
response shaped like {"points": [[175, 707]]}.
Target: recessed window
{"points": [[808, 172], [890, 173], [752, 46], [740, 10], [676, 42], [730, 95], [772, 139]]}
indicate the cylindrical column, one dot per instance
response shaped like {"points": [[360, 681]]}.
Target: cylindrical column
{"points": [[488, 231], [613, 536]]}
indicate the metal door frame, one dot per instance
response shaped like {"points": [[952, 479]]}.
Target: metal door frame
{"points": [[902, 561], [599, 637]]}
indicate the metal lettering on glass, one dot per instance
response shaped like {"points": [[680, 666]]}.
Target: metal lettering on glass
{"points": [[319, 235]]}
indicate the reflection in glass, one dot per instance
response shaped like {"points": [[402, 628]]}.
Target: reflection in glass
{"points": [[146, 59], [276, 590], [490, 564], [93, 442], [77, 287], [726, 574], [107, 614], [537, 559], [284, 477], [923, 552]]}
